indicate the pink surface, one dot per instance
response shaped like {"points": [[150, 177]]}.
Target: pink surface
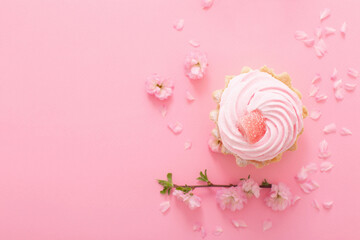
{"points": [[81, 143]]}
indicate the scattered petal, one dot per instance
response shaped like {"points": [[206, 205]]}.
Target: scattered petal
{"points": [[313, 90], [315, 115], [267, 224], [353, 72], [343, 29], [196, 227], [309, 186], [324, 14], [320, 48], [316, 205], [337, 84], [318, 32], [206, 4], [334, 74], [350, 87], [302, 175], [187, 145], [311, 167], [316, 79], [323, 150], [329, 31], [189, 96], [179, 25], [239, 223], [309, 42], [194, 43], [295, 200], [301, 35], [163, 111], [218, 231], [164, 206], [321, 98], [175, 127], [328, 204], [345, 132], [330, 128], [203, 232], [326, 166], [339, 94]]}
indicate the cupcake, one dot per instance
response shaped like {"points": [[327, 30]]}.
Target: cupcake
{"points": [[259, 116]]}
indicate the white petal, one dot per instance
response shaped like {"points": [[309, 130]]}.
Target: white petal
{"points": [[353, 72], [164, 206], [330, 128], [323, 146], [345, 132], [305, 187], [326, 166], [334, 74], [321, 98], [163, 111], [318, 32], [203, 232], [313, 90], [316, 79], [194, 43], [314, 184], [324, 155], [320, 48], [187, 145], [316, 205], [309, 42], [295, 200], [189, 96], [311, 167], [337, 84], [339, 94], [218, 231], [301, 35], [328, 204], [329, 31], [207, 3], [324, 14], [315, 115], [350, 87], [196, 227], [175, 127], [343, 29], [179, 25], [239, 223], [302, 175], [267, 224]]}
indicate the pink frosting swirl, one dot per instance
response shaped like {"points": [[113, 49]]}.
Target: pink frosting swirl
{"points": [[280, 106]]}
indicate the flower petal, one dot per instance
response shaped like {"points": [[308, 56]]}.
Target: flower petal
{"points": [[295, 200], [189, 96], [330, 128], [203, 232], [302, 175], [353, 72], [350, 87], [179, 25], [196, 227], [313, 90], [206, 4], [339, 94], [300, 35], [267, 224], [329, 31], [318, 32], [324, 14], [345, 132], [343, 29], [309, 42], [163, 111], [239, 223], [164, 206], [175, 127], [316, 79], [316, 205], [311, 167], [328, 204], [321, 98], [337, 84], [334, 74], [194, 43], [315, 115], [320, 48], [323, 146], [218, 231], [187, 145], [326, 166]]}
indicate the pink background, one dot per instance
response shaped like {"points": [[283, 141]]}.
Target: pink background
{"points": [[81, 143]]}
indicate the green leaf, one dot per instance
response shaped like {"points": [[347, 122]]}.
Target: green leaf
{"points": [[169, 177], [184, 189], [203, 176], [249, 176], [265, 183]]}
